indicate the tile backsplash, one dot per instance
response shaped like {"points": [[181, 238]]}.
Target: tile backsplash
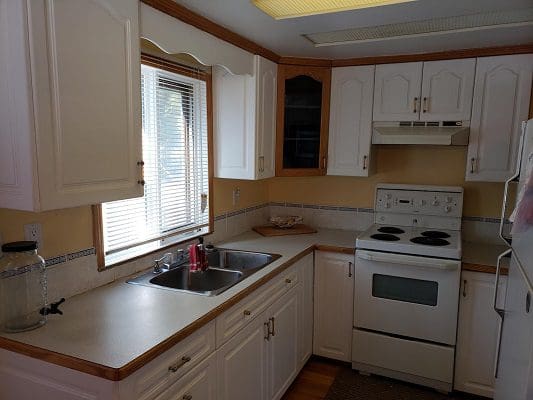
{"points": [[74, 273]]}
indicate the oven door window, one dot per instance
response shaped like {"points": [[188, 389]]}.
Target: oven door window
{"points": [[405, 289]]}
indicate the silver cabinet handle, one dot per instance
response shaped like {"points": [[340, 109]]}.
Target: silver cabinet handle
{"points": [[365, 158], [141, 180], [184, 360], [273, 331], [464, 287], [472, 164], [499, 311], [425, 107], [267, 326], [187, 397], [415, 101], [350, 264]]}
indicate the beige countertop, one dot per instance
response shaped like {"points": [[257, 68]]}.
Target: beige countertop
{"points": [[482, 257], [113, 330]]}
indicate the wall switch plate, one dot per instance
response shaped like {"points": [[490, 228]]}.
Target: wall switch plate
{"points": [[34, 232], [236, 196]]}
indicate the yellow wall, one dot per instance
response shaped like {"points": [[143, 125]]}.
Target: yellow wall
{"points": [[395, 164], [70, 230]]}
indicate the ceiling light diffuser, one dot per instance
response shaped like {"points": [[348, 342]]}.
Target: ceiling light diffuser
{"points": [[281, 9]]}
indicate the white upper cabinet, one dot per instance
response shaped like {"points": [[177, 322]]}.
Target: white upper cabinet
{"points": [[501, 102], [245, 121], [429, 91], [350, 128], [447, 90], [72, 133], [397, 92]]}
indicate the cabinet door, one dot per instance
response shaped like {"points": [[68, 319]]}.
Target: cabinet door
{"points": [[305, 310], [397, 92], [242, 363], [283, 363], [447, 88], [88, 109], [199, 383], [501, 102], [234, 126], [302, 120], [350, 129], [267, 76], [333, 322], [477, 334]]}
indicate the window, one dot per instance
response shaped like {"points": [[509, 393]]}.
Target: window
{"points": [[174, 207]]}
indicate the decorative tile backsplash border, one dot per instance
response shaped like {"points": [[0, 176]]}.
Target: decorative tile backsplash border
{"points": [[69, 257]]}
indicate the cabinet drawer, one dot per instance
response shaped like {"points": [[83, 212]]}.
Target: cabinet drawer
{"points": [[199, 383], [173, 364], [238, 316]]}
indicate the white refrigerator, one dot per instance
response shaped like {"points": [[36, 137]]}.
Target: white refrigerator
{"points": [[514, 360]]}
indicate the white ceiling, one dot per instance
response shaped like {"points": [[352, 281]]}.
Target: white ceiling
{"points": [[284, 36]]}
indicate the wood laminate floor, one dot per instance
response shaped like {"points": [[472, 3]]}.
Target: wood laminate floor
{"points": [[314, 380]]}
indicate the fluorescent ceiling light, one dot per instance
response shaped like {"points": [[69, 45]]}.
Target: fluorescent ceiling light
{"points": [[281, 9], [428, 27]]}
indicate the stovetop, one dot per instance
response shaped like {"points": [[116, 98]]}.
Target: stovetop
{"points": [[412, 240]]}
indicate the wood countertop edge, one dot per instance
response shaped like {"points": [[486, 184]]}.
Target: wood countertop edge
{"points": [[118, 374], [488, 269]]}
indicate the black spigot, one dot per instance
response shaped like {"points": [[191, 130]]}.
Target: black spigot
{"points": [[53, 309]]}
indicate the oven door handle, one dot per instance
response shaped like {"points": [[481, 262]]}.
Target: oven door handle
{"points": [[408, 260]]}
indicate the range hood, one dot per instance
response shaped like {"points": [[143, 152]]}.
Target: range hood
{"points": [[431, 133]]}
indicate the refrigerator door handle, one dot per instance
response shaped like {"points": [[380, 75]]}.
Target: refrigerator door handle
{"points": [[499, 311], [514, 178]]}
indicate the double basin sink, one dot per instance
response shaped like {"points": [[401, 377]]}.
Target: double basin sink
{"points": [[225, 269]]}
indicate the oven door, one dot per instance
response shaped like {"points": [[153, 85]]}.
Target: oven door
{"points": [[411, 296]]}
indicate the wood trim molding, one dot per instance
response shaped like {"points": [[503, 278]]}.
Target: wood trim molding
{"points": [[441, 55], [183, 14], [161, 63], [98, 236], [310, 62]]}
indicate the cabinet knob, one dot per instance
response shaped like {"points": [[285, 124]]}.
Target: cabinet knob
{"points": [[267, 326], [350, 265], [141, 182], [187, 397], [288, 280], [472, 164], [273, 331], [365, 159], [425, 107], [247, 312]]}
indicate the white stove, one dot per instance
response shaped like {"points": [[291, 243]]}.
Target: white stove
{"points": [[407, 278]]}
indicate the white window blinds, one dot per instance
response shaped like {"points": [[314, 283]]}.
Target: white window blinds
{"points": [[175, 155]]}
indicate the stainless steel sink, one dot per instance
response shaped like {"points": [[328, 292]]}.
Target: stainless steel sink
{"points": [[226, 268]]}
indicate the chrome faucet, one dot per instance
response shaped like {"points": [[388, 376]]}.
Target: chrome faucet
{"points": [[160, 266]]}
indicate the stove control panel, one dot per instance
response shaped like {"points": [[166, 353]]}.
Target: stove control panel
{"points": [[424, 202]]}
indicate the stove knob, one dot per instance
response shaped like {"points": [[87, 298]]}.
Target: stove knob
{"points": [[447, 209], [422, 202], [387, 205], [435, 202], [388, 196], [449, 199]]}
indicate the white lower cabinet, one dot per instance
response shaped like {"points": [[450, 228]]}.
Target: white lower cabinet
{"points": [[478, 334], [305, 310], [333, 305]]}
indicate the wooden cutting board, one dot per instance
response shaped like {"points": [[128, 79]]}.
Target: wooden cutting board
{"points": [[269, 230]]}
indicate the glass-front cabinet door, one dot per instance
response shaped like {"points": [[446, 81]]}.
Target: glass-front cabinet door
{"points": [[303, 119]]}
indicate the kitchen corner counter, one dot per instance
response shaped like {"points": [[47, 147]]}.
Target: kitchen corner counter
{"points": [[482, 257], [114, 330]]}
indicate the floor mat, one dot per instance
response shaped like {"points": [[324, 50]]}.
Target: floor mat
{"points": [[350, 385]]}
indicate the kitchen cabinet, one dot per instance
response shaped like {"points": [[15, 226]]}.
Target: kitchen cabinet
{"points": [[333, 310], [350, 128], [245, 121], [478, 334], [502, 93], [305, 309], [70, 110], [424, 91], [302, 120]]}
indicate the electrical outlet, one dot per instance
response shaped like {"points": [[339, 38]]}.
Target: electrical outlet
{"points": [[236, 196], [34, 232]]}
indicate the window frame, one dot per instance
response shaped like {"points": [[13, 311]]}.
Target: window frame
{"points": [[98, 232]]}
